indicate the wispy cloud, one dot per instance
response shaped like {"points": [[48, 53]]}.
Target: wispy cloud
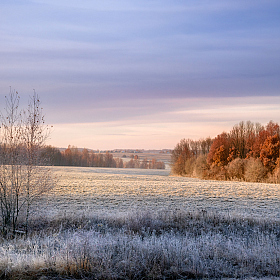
{"points": [[130, 124], [104, 61]]}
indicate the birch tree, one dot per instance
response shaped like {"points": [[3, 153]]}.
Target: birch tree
{"points": [[23, 176]]}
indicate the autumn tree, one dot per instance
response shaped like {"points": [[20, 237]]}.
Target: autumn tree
{"points": [[85, 158], [252, 132], [238, 140], [205, 145], [219, 151], [235, 155], [185, 154], [180, 154], [261, 134], [269, 153], [109, 160]]}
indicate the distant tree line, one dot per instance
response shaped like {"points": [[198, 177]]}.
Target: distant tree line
{"points": [[73, 156], [250, 152], [144, 164]]}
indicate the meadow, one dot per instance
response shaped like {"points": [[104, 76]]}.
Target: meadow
{"points": [[104, 190], [101, 223]]}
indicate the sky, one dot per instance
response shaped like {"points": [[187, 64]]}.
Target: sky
{"points": [[142, 74]]}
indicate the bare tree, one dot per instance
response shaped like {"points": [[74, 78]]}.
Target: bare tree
{"points": [[34, 135], [23, 176], [10, 168]]}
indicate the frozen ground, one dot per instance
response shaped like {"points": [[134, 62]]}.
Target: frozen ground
{"points": [[122, 190], [103, 223]]}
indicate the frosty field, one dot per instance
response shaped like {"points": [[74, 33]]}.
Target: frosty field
{"points": [[144, 224], [103, 190]]}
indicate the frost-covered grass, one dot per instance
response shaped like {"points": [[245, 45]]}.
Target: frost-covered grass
{"points": [[124, 224], [111, 190], [141, 245]]}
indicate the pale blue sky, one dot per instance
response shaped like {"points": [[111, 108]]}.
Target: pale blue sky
{"points": [[142, 74]]}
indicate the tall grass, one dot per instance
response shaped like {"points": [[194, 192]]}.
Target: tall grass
{"points": [[141, 245]]}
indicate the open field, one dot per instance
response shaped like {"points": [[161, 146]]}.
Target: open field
{"points": [[143, 224], [123, 190]]}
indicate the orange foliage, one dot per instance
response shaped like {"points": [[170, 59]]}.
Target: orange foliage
{"points": [[270, 151], [233, 154], [219, 151]]}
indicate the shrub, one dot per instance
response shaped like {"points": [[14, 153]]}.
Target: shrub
{"points": [[178, 167], [217, 173], [189, 166], [236, 169], [254, 170], [275, 176], [201, 167]]}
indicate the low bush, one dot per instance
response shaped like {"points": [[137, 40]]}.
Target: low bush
{"points": [[217, 173], [274, 177], [189, 166], [254, 170], [235, 169], [201, 167]]}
